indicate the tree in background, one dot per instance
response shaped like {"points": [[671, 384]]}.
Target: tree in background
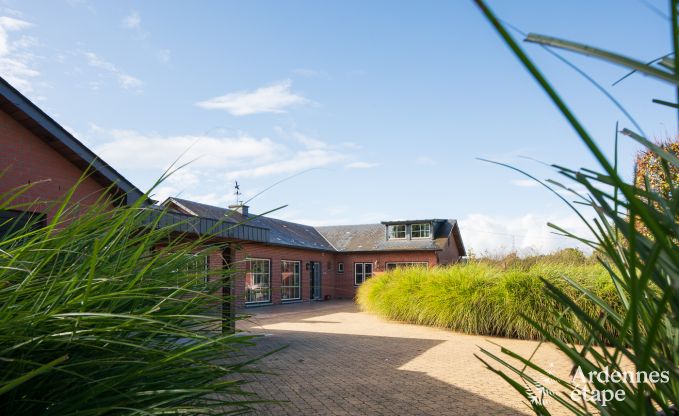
{"points": [[653, 174]]}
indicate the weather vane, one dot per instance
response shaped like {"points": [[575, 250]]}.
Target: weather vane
{"points": [[237, 193]]}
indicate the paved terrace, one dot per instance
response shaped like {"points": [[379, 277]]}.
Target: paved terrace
{"points": [[340, 361]]}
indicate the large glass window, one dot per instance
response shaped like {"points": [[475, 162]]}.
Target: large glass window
{"points": [[420, 230], [201, 266], [258, 281], [194, 266], [362, 272], [290, 280], [397, 231]]}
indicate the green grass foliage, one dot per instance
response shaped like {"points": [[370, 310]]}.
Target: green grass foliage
{"points": [[102, 311], [482, 297]]}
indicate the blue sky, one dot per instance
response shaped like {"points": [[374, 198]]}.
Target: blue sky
{"points": [[379, 108]]}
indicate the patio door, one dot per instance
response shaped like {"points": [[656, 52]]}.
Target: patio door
{"points": [[315, 280]]}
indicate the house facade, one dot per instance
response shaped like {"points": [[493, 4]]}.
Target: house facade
{"points": [[298, 263], [275, 261]]}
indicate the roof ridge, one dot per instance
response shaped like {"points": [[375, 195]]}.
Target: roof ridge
{"points": [[347, 225], [328, 241]]}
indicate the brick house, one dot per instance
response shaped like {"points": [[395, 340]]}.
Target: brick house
{"points": [[297, 262], [280, 261]]}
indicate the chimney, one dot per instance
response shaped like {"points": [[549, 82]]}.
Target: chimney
{"points": [[240, 208]]}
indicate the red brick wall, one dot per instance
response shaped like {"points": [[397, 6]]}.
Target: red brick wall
{"points": [[344, 286], [276, 254], [333, 284], [29, 160], [216, 262]]}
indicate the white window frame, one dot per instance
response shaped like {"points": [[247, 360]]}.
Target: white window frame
{"points": [[362, 273], [298, 286], [428, 225], [396, 264], [390, 233], [268, 287], [340, 267], [195, 267], [206, 265]]}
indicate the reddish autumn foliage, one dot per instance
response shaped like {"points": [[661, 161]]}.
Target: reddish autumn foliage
{"points": [[655, 176]]}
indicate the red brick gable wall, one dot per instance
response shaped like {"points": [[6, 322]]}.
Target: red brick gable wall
{"points": [[28, 159]]}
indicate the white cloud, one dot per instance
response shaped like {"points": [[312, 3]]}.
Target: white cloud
{"points": [[212, 158], [274, 98], [186, 176], [309, 142], [361, 165], [75, 133], [129, 148], [129, 82], [526, 234], [163, 192], [325, 214], [298, 162], [304, 139], [10, 24], [132, 20], [15, 58], [125, 80], [212, 198]]}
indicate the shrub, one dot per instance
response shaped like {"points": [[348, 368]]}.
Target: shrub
{"points": [[649, 169], [564, 256], [478, 298], [103, 312], [652, 173]]}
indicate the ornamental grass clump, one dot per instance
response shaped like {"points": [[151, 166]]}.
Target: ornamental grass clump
{"points": [[103, 311], [478, 297]]}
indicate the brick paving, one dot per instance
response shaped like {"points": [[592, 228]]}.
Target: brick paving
{"points": [[340, 361]]}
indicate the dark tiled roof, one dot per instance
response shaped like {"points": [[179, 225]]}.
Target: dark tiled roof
{"points": [[185, 223], [372, 237], [366, 237], [280, 232]]}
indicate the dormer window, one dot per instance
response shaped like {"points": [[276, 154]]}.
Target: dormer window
{"points": [[397, 231], [422, 230]]}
